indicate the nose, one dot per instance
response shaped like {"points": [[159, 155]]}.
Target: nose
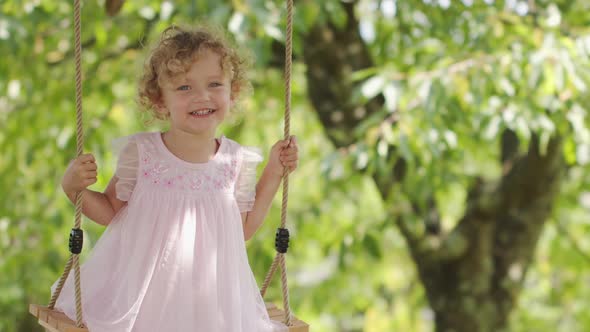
{"points": [[200, 95]]}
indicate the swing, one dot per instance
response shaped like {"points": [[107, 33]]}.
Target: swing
{"points": [[56, 321]]}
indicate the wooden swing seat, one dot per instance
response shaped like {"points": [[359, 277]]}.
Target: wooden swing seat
{"points": [[56, 321]]}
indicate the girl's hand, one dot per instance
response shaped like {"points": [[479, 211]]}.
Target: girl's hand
{"points": [[80, 174], [284, 154]]}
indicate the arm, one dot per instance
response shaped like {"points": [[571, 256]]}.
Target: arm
{"points": [[283, 154], [81, 173], [97, 206], [266, 189]]}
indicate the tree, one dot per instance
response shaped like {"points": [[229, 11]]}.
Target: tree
{"points": [[474, 72], [460, 127], [448, 77]]}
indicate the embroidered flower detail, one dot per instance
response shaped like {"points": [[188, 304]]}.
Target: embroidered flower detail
{"points": [[218, 184], [226, 171], [162, 174], [195, 183], [169, 183], [229, 171], [159, 168]]}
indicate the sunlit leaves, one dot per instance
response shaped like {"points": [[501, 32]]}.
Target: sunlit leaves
{"points": [[452, 103]]}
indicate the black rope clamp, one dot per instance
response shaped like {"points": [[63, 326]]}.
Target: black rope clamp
{"points": [[282, 240], [76, 240]]}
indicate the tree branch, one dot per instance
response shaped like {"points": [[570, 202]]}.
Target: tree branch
{"points": [[527, 193], [136, 44], [332, 55], [113, 7]]}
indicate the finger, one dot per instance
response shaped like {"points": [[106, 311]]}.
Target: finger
{"points": [[83, 168], [84, 158], [90, 175], [291, 164], [288, 163], [90, 166], [288, 158], [292, 141], [290, 149], [88, 182], [279, 145], [289, 154]]}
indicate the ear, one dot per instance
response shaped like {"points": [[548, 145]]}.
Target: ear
{"points": [[232, 95], [161, 108]]}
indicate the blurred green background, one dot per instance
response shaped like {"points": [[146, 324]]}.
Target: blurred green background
{"points": [[444, 181]]}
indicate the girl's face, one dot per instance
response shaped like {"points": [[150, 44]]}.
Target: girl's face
{"points": [[198, 100]]}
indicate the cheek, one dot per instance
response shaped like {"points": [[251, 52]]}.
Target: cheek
{"points": [[181, 100], [223, 98]]}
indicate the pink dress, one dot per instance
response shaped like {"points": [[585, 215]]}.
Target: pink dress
{"points": [[174, 258]]}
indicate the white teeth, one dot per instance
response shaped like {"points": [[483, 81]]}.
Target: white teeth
{"points": [[203, 112]]}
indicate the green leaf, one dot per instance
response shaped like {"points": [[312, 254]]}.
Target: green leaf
{"points": [[371, 244]]}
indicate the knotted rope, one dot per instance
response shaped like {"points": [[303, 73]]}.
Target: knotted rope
{"points": [[74, 257], [280, 257]]}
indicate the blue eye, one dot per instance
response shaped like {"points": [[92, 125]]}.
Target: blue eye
{"points": [[184, 88], [215, 84]]}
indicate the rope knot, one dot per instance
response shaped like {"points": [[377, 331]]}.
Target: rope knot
{"points": [[76, 240], [282, 240]]}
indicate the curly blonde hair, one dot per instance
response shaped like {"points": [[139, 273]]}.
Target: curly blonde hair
{"points": [[174, 54]]}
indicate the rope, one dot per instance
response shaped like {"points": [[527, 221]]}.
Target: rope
{"points": [[74, 258], [280, 258]]}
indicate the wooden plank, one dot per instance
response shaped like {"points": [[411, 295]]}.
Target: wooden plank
{"points": [[63, 323], [42, 314], [276, 312], [34, 310], [297, 325], [55, 321], [48, 327], [278, 315]]}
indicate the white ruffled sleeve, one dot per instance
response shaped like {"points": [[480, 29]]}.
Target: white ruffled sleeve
{"points": [[245, 191], [127, 164]]}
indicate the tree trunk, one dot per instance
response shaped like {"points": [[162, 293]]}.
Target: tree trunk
{"points": [[473, 278], [476, 289]]}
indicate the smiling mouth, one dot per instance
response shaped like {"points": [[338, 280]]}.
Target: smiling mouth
{"points": [[202, 113]]}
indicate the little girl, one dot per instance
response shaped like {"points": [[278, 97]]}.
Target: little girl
{"points": [[180, 205]]}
